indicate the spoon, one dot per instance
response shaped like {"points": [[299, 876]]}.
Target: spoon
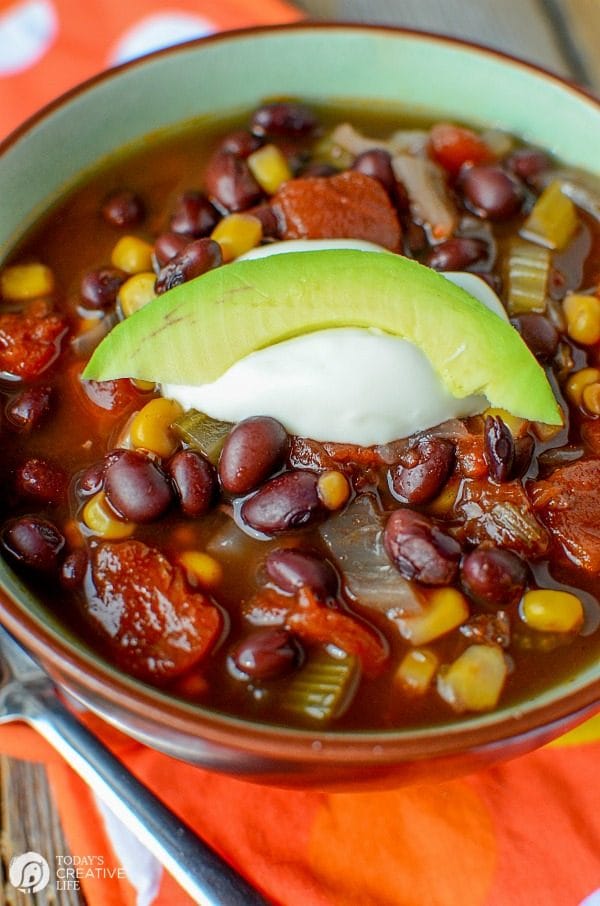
{"points": [[28, 694]]}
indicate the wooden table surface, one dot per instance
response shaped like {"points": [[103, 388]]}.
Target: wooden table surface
{"points": [[561, 35]]}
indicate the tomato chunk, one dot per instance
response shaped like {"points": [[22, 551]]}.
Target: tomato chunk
{"points": [[349, 205], [568, 504], [311, 454], [316, 622], [154, 625], [30, 340], [502, 514], [453, 146]]}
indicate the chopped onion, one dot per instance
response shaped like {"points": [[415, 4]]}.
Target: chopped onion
{"points": [[425, 184], [403, 141], [355, 540]]}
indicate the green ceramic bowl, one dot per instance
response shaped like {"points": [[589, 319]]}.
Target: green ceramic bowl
{"points": [[216, 77]]}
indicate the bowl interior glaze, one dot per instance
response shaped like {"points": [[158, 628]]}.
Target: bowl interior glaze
{"points": [[214, 78]]}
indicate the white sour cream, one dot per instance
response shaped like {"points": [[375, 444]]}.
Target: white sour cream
{"points": [[347, 384]]}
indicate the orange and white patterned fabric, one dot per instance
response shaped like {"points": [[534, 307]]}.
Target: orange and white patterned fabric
{"points": [[521, 834], [47, 46]]}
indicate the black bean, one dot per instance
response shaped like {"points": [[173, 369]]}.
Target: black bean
{"points": [[286, 502], [291, 569], [493, 576], [228, 180], [524, 450], [99, 288], [539, 333], [267, 654], [499, 448], [492, 192], [195, 482], [136, 487], [241, 143], [287, 119], [254, 449], [419, 549], [92, 480], [194, 215], [457, 254], [28, 409], [415, 237], [268, 219], [41, 480], [123, 208], [422, 471], [34, 542], [197, 257], [167, 245], [377, 164], [320, 169], [74, 568], [527, 163]]}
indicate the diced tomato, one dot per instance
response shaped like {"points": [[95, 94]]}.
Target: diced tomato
{"points": [[453, 146], [568, 504], [316, 622], [500, 513], [30, 340], [470, 456], [349, 205], [155, 626], [311, 454]]}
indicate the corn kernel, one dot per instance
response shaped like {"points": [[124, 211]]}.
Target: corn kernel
{"points": [[132, 255], [102, 521], [144, 386], [583, 318], [26, 281], [269, 168], [517, 426], [333, 489], [474, 681], [590, 398], [545, 432], [416, 670], [236, 234], [548, 610], [137, 292], [578, 381], [445, 500], [151, 427], [203, 568], [443, 610]]}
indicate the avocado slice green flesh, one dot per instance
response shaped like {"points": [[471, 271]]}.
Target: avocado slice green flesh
{"points": [[195, 332]]}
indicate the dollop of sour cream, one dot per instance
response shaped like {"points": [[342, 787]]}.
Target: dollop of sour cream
{"points": [[345, 384]]}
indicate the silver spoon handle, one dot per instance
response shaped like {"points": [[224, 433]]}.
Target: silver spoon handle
{"points": [[202, 873]]}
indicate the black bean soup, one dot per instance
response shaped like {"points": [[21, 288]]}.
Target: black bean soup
{"points": [[276, 577]]}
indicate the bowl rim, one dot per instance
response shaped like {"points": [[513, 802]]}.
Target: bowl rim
{"points": [[98, 677]]}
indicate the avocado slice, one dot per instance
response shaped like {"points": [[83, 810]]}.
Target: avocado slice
{"points": [[195, 332]]}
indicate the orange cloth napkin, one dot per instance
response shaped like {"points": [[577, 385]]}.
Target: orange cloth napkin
{"points": [[521, 834]]}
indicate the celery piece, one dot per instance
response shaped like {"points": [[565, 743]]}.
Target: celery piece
{"points": [[553, 218], [527, 271], [203, 433], [323, 688]]}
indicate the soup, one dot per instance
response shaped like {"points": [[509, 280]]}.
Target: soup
{"points": [[376, 561]]}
